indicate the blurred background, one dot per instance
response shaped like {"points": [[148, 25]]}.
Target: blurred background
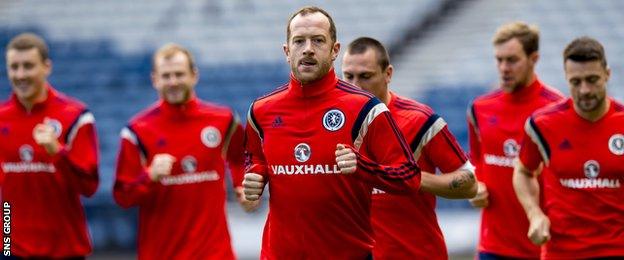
{"points": [[441, 50]]}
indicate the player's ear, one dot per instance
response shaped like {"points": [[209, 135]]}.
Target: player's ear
{"points": [[534, 57], [286, 52], [388, 73], [154, 78], [336, 50]]}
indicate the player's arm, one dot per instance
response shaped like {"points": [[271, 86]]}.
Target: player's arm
{"points": [[526, 185], [256, 173], [385, 159], [135, 178], [78, 158], [459, 184], [480, 200], [438, 147], [234, 151], [527, 190]]}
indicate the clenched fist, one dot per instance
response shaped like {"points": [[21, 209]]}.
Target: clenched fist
{"points": [[44, 135], [481, 199], [539, 228], [345, 159], [161, 166], [253, 185], [248, 205]]}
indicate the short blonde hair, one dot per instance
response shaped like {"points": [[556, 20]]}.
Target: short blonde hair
{"points": [[168, 50], [528, 35]]}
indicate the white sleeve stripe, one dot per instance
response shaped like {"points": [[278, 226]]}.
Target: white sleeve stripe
{"points": [[251, 123], [435, 128], [472, 118], [228, 136], [535, 138], [372, 114], [129, 136], [84, 119]]}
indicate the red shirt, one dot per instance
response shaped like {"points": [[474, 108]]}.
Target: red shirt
{"points": [[495, 123], [406, 227], [47, 217], [183, 215], [583, 179], [316, 212]]}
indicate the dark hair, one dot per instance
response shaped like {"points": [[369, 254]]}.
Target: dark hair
{"points": [[310, 10], [168, 50], [528, 35], [362, 44], [585, 49], [27, 41]]}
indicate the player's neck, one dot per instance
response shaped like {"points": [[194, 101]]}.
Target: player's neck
{"points": [[595, 114], [527, 84], [385, 97], [39, 97]]}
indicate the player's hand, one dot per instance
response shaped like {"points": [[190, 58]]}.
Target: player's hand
{"points": [[539, 228], [253, 185], [44, 135], [248, 205], [161, 166], [481, 199], [346, 159]]}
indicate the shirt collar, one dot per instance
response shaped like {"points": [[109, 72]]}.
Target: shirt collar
{"points": [[526, 92], [51, 94], [182, 109], [314, 88]]}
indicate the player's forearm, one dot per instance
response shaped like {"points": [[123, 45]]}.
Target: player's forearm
{"points": [[527, 190], [460, 184], [404, 178], [128, 193]]}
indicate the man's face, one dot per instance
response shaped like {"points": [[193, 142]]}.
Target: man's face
{"points": [[588, 84], [27, 73], [310, 50], [173, 78], [515, 68], [363, 70]]}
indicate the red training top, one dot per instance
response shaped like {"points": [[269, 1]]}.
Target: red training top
{"points": [[43, 191], [495, 123], [183, 215], [583, 179], [316, 212]]}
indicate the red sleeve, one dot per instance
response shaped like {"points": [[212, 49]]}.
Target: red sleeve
{"points": [[444, 151], [132, 184], [475, 145], [254, 155], [235, 155], [78, 158], [385, 158], [530, 155]]}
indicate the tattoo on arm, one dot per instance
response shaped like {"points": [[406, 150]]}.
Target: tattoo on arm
{"points": [[460, 181]]}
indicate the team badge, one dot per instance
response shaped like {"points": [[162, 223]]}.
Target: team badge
{"points": [[616, 144], [511, 148], [592, 169], [333, 120], [210, 136], [302, 152], [26, 153], [55, 124], [189, 164]]}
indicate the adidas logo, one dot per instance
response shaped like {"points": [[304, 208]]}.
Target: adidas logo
{"points": [[278, 122], [565, 145]]}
